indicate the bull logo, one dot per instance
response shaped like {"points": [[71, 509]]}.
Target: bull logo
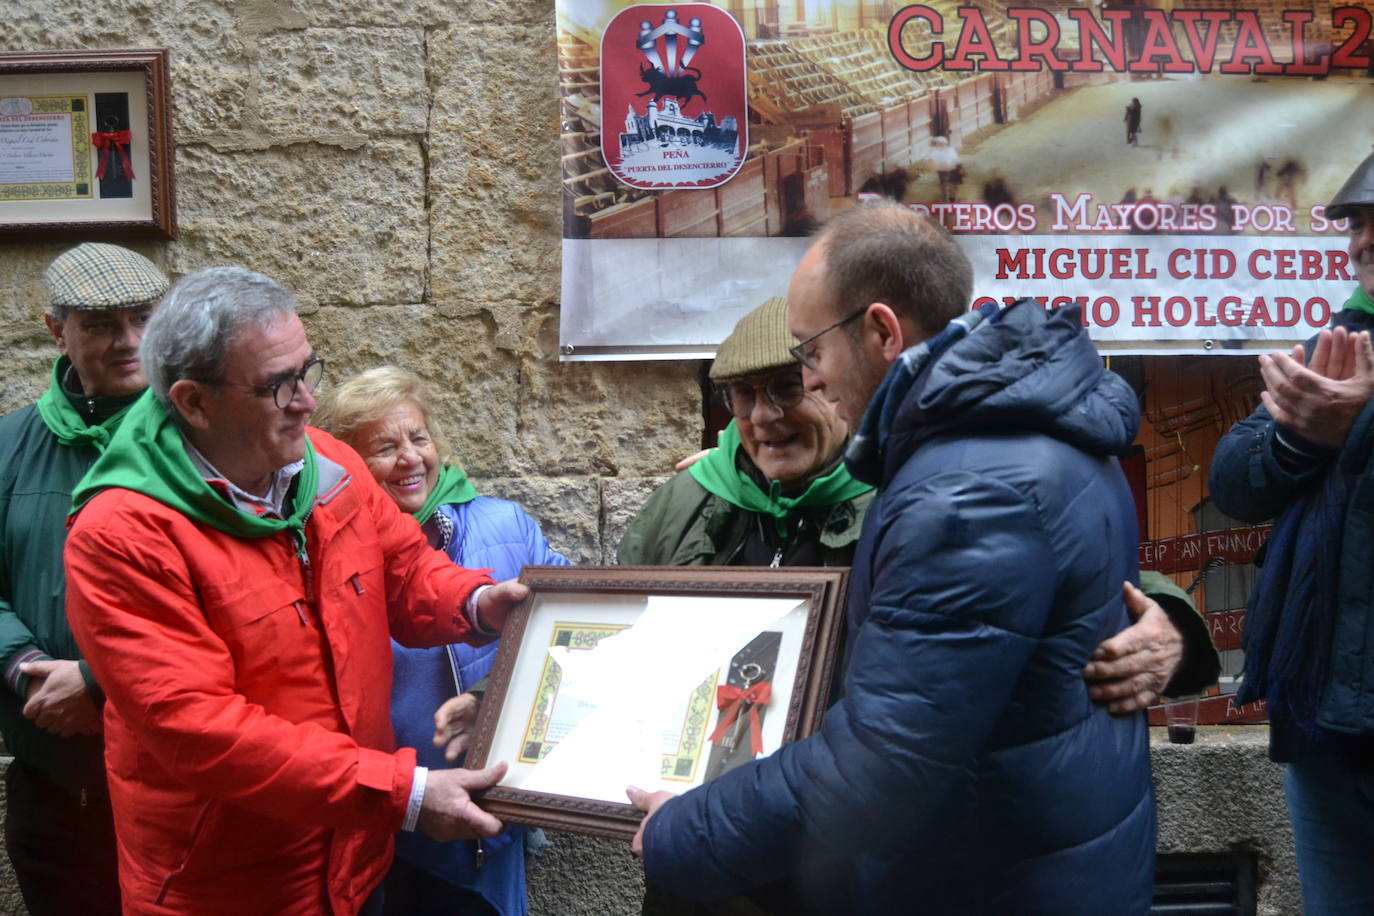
{"points": [[684, 87], [670, 139]]}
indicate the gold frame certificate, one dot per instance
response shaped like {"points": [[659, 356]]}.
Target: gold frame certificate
{"points": [[86, 144], [660, 678]]}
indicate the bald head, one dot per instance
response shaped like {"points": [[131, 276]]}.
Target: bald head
{"points": [[885, 252]]}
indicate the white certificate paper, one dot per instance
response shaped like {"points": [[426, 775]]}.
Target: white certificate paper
{"points": [[37, 149]]}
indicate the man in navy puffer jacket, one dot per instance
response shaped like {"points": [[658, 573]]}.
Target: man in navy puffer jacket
{"points": [[965, 770]]}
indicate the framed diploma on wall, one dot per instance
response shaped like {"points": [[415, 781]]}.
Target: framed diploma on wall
{"points": [[659, 677], [86, 144]]}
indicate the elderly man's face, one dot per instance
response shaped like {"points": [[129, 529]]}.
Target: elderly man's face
{"points": [[103, 347], [787, 444], [248, 435], [1362, 247], [845, 374]]}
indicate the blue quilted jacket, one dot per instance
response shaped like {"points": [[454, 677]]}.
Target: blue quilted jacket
{"points": [[964, 770], [488, 534], [1247, 482]]}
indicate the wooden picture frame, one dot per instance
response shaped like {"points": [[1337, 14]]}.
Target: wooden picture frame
{"points": [[654, 706], [86, 145]]}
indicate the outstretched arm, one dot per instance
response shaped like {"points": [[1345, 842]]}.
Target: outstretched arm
{"points": [[895, 750]]}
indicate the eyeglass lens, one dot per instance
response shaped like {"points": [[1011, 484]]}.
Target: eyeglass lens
{"points": [[310, 376], [783, 393]]}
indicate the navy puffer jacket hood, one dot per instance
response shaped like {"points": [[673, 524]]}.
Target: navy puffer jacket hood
{"points": [[1024, 369]]}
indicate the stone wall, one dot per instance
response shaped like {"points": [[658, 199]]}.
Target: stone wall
{"points": [[396, 165]]}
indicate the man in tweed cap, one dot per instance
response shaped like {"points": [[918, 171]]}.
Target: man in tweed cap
{"points": [[58, 829], [774, 492]]}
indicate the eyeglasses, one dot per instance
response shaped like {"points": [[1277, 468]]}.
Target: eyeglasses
{"points": [[802, 351], [283, 390], [782, 391]]}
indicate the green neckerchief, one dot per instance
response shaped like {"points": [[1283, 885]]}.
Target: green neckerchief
{"points": [[1360, 300], [452, 486], [65, 422], [719, 474], [148, 456]]}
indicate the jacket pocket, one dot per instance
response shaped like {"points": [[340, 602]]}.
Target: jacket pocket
{"points": [[192, 842]]}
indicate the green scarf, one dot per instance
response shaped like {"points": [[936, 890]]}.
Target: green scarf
{"points": [[148, 456], [719, 474], [1360, 300], [452, 486], [64, 421]]}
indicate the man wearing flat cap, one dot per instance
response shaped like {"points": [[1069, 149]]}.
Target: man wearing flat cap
{"points": [[58, 829], [774, 492], [1304, 458]]}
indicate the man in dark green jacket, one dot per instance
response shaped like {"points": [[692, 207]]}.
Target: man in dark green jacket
{"points": [[774, 491], [58, 829]]}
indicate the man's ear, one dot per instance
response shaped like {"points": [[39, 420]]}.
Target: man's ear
{"points": [[55, 328], [189, 397], [888, 329]]}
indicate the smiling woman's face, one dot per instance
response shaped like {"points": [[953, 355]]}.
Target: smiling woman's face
{"points": [[401, 455]]}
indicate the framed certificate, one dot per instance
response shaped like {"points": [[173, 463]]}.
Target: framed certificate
{"points": [[659, 677], [86, 144]]}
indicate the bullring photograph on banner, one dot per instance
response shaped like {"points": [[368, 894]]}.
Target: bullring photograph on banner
{"points": [[1149, 161]]}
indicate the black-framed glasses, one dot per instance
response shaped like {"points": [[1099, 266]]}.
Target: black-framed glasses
{"points": [[802, 351], [283, 390], [783, 391]]}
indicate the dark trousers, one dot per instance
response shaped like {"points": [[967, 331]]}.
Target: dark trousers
{"points": [[411, 891], [62, 848]]}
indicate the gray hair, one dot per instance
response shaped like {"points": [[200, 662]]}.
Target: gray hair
{"points": [[190, 333], [881, 251]]}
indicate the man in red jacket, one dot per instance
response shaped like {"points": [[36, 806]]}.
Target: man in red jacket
{"points": [[233, 578]]}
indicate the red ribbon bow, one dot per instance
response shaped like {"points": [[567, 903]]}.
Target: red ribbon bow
{"points": [[732, 700], [113, 142]]}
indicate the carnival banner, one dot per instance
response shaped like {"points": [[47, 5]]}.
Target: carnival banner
{"points": [[1162, 163]]}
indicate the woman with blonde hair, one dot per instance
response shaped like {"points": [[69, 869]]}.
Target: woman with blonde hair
{"points": [[384, 415]]}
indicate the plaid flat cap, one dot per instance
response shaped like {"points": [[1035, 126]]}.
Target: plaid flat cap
{"points": [[758, 344], [94, 275]]}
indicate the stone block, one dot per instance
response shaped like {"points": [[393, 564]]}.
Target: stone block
{"points": [[11, 902], [333, 225], [567, 510], [341, 86], [426, 12], [1222, 794], [38, 25], [211, 100], [469, 385], [621, 500], [608, 419], [494, 165], [583, 876]]}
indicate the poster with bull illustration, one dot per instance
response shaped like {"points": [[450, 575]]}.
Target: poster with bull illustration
{"points": [[673, 80]]}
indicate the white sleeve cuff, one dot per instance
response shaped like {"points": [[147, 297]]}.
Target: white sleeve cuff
{"points": [[417, 797], [470, 609]]}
